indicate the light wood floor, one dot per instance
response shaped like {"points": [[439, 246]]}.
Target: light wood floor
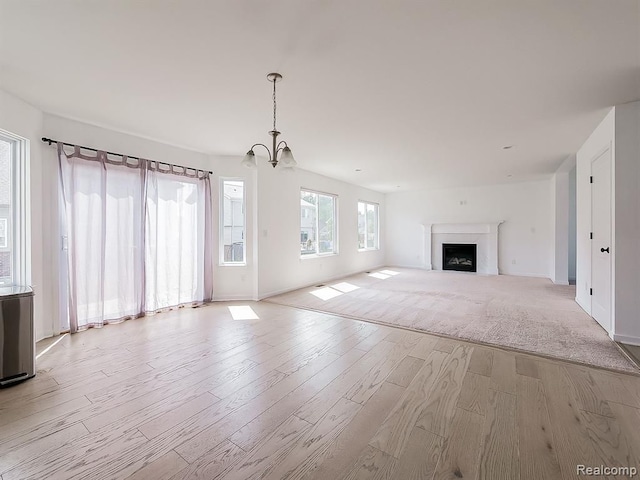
{"points": [[299, 394]]}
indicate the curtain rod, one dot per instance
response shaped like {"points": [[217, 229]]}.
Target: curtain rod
{"points": [[50, 141]]}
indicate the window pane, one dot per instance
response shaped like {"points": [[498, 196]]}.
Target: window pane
{"points": [[233, 221], [6, 213], [172, 254], [372, 226], [317, 223], [362, 222], [326, 224], [308, 222], [368, 226]]}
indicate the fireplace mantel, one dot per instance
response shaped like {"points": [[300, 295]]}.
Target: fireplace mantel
{"points": [[484, 235]]}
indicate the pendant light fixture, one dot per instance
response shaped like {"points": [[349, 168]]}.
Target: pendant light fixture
{"points": [[285, 156]]}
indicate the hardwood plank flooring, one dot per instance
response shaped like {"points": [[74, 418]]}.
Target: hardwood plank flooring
{"points": [[394, 432], [161, 469], [405, 371], [460, 456], [420, 457], [499, 459], [297, 394], [442, 397], [373, 464], [474, 393], [481, 361], [355, 437], [535, 436]]}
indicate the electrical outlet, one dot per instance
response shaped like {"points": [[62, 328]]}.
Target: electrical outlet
{"points": [[513, 262]]}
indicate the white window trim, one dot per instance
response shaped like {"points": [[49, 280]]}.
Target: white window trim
{"points": [[21, 209], [337, 224], [221, 261], [377, 205]]}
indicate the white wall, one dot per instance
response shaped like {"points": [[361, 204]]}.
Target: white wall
{"points": [[561, 267], [525, 239], [601, 138], [24, 120], [281, 267], [562, 221], [571, 249], [553, 202], [626, 292]]}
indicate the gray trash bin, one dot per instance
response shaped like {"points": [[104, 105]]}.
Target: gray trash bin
{"points": [[17, 336]]}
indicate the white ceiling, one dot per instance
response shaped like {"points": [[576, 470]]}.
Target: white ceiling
{"points": [[417, 94]]}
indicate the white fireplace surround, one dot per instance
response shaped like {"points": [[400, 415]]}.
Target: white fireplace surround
{"points": [[484, 235]]}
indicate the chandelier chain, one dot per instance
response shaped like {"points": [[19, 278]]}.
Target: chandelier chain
{"points": [[274, 105]]}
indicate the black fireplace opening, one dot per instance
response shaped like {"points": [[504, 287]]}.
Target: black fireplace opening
{"points": [[459, 256]]}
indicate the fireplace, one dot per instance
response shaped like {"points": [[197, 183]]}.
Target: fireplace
{"points": [[459, 256]]}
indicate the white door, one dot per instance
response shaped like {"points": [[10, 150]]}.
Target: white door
{"points": [[601, 242]]}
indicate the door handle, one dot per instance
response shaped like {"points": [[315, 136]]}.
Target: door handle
{"points": [[604, 250]]}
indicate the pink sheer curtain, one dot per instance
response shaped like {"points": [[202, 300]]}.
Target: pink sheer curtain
{"points": [[176, 240], [137, 237]]}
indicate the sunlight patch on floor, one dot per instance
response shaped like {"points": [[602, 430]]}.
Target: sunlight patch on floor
{"points": [[50, 346], [325, 293], [243, 312], [379, 275], [345, 287], [389, 272]]}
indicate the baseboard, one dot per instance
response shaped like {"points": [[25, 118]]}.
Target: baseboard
{"points": [[499, 272], [325, 280], [399, 265], [627, 339], [518, 274], [234, 298]]}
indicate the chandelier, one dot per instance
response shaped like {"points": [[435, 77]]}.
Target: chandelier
{"points": [[281, 148]]}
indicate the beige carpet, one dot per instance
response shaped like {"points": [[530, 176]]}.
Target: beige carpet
{"points": [[530, 314]]}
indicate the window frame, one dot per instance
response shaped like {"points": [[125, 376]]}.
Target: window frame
{"points": [[376, 246], [19, 230], [317, 253], [221, 260]]}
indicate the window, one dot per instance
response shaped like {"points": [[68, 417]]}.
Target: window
{"points": [[13, 219], [317, 223], [4, 241], [233, 220], [368, 238]]}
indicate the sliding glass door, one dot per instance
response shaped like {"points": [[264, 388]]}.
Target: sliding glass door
{"points": [[136, 238], [174, 253]]}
